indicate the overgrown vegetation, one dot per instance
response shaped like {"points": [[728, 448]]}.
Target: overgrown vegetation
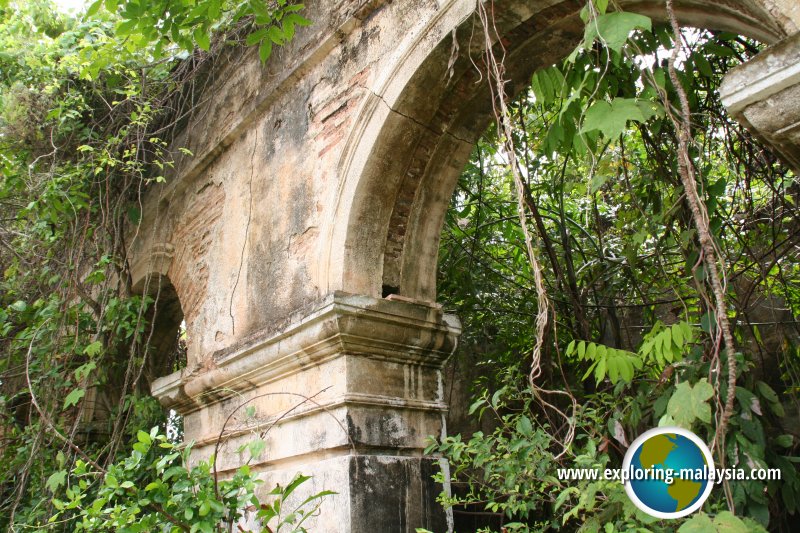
{"points": [[89, 108], [633, 337]]}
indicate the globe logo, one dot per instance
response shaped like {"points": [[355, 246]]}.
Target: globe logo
{"points": [[669, 472]]}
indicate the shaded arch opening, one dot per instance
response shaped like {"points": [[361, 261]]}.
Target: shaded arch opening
{"points": [[166, 337], [165, 341], [428, 120]]}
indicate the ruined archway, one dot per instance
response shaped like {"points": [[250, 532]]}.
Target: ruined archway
{"points": [[415, 132], [318, 189]]}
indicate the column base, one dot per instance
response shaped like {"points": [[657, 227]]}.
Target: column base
{"points": [[348, 394]]}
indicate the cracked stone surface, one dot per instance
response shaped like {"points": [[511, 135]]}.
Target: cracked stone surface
{"points": [[302, 237]]}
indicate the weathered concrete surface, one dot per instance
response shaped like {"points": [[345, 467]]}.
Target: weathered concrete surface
{"points": [[764, 94], [348, 392], [330, 169]]}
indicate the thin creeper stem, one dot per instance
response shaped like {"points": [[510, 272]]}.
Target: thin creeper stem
{"points": [[707, 245]]}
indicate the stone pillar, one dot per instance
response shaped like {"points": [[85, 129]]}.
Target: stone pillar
{"points": [[764, 95], [372, 372]]}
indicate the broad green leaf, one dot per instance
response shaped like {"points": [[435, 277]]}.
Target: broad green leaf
{"points": [[591, 349], [256, 448], [256, 37], [144, 437], [600, 370], [727, 522], [766, 392], [94, 8], [699, 523], [205, 507], [677, 335], [689, 403], [74, 397], [55, 480], [476, 404], [613, 367], [570, 348], [296, 18], [84, 370], [613, 29], [202, 39], [111, 481], [93, 348], [126, 27], [524, 426], [611, 119]]}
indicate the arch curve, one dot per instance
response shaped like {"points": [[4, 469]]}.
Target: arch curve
{"points": [[415, 131]]}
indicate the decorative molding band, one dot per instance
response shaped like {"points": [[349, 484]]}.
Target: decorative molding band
{"points": [[326, 409], [341, 325], [768, 73]]}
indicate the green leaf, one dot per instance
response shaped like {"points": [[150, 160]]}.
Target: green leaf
{"points": [[84, 370], [600, 370], [93, 349], [591, 349], [677, 335], [689, 403], [702, 64], [55, 480], [126, 27], [613, 29], [570, 348], [265, 50], [94, 8], [111, 481], [256, 37], [204, 508], [74, 397], [144, 437], [612, 118], [296, 18], [524, 426], [476, 404], [766, 392], [276, 35], [256, 448], [699, 523], [296, 482], [726, 522], [202, 39]]}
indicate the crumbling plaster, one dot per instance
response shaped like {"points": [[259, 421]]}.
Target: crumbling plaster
{"points": [[318, 184]]}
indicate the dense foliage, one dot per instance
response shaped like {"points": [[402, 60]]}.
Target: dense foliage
{"points": [[89, 108], [632, 339]]}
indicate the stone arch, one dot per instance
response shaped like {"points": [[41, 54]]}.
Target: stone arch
{"points": [[415, 131], [165, 317]]}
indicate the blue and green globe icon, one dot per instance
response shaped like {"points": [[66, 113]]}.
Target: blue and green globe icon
{"points": [[670, 472]]}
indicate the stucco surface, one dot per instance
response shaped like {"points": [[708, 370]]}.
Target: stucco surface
{"points": [[318, 187]]}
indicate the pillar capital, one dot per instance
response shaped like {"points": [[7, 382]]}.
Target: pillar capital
{"points": [[764, 95], [341, 325], [347, 390]]}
